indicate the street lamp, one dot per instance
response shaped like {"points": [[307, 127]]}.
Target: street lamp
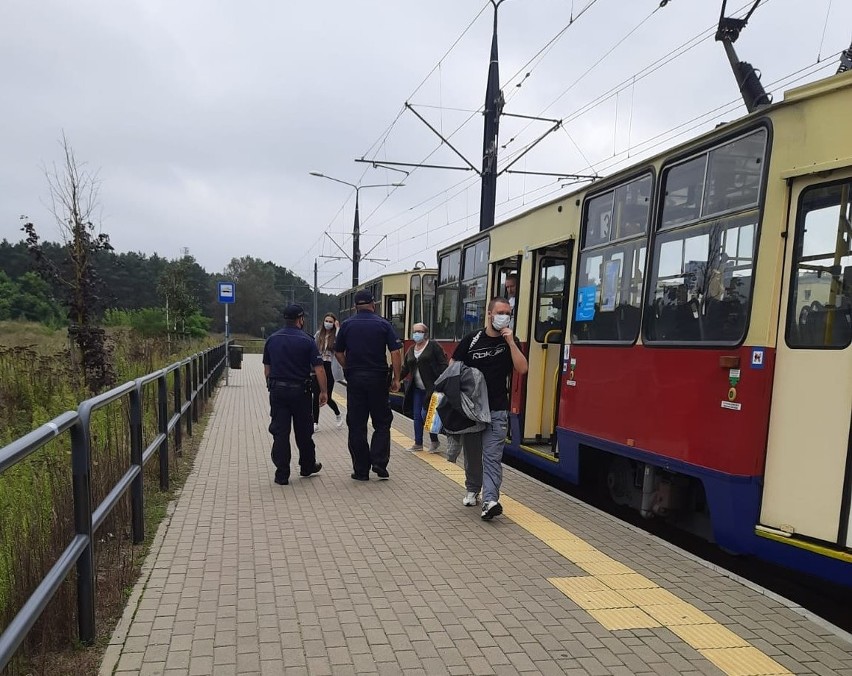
{"points": [[356, 228]]}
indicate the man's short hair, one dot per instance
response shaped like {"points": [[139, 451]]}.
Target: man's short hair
{"points": [[497, 299]]}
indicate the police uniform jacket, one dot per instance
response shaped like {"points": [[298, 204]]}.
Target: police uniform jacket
{"points": [[365, 338], [291, 355]]}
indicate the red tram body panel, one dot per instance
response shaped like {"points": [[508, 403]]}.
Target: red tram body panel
{"points": [[671, 402]]}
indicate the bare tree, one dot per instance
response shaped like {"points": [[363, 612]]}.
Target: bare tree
{"points": [[74, 199]]}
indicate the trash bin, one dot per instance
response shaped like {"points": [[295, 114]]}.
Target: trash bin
{"points": [[235, 356]]}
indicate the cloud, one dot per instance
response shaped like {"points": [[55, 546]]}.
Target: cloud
{"points": [[204, 119]]}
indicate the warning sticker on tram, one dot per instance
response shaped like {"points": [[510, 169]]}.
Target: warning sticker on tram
{"points": [[732, 405]]}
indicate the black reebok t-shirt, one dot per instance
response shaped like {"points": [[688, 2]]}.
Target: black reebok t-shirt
{"points": [[493, 358]]}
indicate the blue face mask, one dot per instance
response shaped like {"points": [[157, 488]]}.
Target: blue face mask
{"points": [[418, 336]]}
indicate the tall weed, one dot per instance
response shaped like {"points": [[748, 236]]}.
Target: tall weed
{"points": [[38, 381]]}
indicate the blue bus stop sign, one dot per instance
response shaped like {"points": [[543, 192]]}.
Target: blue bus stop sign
{"points": [[227, 292]]}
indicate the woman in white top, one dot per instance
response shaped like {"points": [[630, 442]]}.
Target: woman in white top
{"points": [[424, 362], [325, 344]]}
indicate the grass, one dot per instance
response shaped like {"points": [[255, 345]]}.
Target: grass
{"points": [[37, 383]]}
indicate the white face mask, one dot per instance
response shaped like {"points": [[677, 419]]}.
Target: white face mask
{"points": [[328, 325], [418, 336], [500, 322]]}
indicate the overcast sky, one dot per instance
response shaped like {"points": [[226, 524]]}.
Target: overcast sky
{"points": [[203, 118]]}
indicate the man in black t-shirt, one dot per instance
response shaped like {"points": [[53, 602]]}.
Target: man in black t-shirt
{"points": [[496, 352]]}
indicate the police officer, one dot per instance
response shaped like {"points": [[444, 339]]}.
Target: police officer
{"points": [[360, 349], [288, 357]]}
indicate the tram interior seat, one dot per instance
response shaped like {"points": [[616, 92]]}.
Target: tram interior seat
{"points": [[814, 321], [674, 318], [621, 324]]}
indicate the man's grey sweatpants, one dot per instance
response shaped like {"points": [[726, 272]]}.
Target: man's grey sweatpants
{"points": [[483, 457]]}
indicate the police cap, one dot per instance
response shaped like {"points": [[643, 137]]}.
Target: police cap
{"points": [[364, 297], [293, 311]]}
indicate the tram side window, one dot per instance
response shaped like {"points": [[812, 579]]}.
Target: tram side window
{"points": [[474, 291], [820, 311], [701, 279], [447, 296], [395, 314], [702, 282], [428, 300], [416, 300], [612, 264]]}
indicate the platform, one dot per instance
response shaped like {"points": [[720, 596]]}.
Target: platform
{"points": [[333, 576]]}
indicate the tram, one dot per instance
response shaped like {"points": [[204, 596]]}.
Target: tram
{"points": [[403, 298], [688, 326]]}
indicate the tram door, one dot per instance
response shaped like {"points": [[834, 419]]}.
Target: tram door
{"points": [[808, 481], [546, 337]]}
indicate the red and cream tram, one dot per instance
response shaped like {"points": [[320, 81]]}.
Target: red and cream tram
{"points": [[688, 323]]}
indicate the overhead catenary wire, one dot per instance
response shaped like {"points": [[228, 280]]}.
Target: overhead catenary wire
{"points": [[647, 145], [644, 145], [384, 135]]}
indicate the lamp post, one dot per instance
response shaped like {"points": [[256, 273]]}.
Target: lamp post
{"points": [[356, 228]]}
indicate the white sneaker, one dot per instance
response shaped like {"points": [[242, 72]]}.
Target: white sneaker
{"points": [[435, 447], [316, 426], [338, 420], [491, 509], [470, 499], [416, 447]]}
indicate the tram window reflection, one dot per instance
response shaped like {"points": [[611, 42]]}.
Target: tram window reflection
{"points": [[820, 312], [701, 293], [609, 288]]}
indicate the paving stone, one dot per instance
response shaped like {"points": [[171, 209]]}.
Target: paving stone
{"points": [[240, 578]]}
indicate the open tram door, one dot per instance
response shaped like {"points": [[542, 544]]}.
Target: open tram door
{"points": [[808, 478], [547, 324]]}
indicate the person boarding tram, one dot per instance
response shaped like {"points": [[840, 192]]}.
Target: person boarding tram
{"points": [[289, 355]]}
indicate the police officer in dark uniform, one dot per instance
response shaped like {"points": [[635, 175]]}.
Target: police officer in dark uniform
{"points": [[288, 357], [361, 345]]}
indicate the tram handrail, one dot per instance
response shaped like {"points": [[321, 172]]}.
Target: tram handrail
{"points": [[544, 346], [194, 379]]}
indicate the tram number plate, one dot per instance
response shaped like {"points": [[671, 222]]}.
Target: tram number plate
{"points": [[732, 405]]}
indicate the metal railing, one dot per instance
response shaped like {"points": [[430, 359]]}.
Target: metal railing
{"points": [[193, 378]]}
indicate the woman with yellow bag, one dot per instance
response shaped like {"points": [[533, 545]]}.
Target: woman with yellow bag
{"points": [[423, 362]]}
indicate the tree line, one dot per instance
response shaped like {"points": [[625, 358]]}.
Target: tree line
{"points": [[133, 281]]}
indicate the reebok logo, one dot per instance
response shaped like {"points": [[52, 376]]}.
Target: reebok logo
{"points": [[489, 352]]}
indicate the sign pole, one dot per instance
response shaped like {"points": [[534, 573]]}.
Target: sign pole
{"points": [[227, 347], [227, 292]]}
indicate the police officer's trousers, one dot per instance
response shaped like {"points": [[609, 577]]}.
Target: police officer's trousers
{"points": [[290, 406], [367, 396]]}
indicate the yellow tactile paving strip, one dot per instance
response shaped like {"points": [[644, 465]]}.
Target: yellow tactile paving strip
{"points": [[617, 596]]}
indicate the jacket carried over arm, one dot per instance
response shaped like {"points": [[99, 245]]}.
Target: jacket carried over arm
{"points": [[464, 408]]}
